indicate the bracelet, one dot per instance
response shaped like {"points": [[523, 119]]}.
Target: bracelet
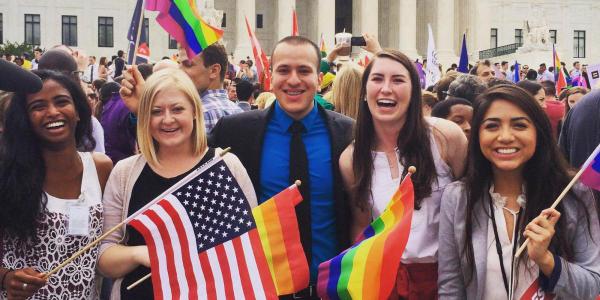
{"points": [[4, 277]]}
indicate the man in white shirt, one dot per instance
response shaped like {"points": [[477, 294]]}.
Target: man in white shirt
{"points": [[91, 73], [544, 74]]}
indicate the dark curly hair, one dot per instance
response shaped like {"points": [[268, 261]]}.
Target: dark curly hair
{"points": [[22, 168]]}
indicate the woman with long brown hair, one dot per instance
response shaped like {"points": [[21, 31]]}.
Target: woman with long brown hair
{"points": [[514, 173], [391, 135]]}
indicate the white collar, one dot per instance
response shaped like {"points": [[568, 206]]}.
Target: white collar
{"points": [[500, 200]]}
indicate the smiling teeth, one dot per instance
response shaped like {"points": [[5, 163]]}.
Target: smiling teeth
{"points": [[383, 101], [55, 124], [294, 93], [507, 151]]}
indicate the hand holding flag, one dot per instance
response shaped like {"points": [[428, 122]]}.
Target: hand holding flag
{"points": [[590, 176], [368, 269]]}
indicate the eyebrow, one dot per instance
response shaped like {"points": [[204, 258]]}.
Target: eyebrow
{"points": [[511, 119], [395, 75]]}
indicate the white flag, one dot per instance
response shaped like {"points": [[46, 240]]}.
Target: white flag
{"points": [[432, 70], [594, 75]]}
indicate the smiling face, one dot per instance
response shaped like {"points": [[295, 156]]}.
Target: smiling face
{"points": [[295, 78], [52, 114], [507, 137], [172, 119], [388, 91]]}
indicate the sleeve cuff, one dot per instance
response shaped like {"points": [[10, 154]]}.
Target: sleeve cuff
{"points": [[548, 283]]}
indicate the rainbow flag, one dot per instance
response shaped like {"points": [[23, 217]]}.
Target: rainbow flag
{"points": [[322, 46], [561, 82], [368, 269], [591, 170], [180, 18], [279, 235]]}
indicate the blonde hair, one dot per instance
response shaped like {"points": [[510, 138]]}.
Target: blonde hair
{"points": [[159, 81], [346, 90], [264, 100]]}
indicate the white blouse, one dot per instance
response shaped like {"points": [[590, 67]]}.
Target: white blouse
{"points": [[422, 246], [494, 283]]}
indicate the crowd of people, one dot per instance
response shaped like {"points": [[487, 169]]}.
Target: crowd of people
{"points": [[101, 139]]}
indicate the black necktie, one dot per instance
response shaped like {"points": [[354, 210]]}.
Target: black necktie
{"points": [[91, 73], [299, 171]]}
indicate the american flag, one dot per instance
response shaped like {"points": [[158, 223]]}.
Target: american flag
{"points": [[203, 241]]}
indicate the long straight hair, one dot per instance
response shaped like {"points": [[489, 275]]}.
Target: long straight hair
{"points": [[413, 141], [22, 168], [545, 174]]}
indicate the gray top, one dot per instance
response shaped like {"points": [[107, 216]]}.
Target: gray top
{"points": [[579, 278]]}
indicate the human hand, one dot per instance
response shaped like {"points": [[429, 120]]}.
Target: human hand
{"points": [[23, 283], [334, 53], [141, 256], [540, 232], [373, 45], [131, 88]]}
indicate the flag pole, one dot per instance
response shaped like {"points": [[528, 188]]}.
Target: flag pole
{"points": [[199, 170], [139, 33], [296, 183], [558, 200]]}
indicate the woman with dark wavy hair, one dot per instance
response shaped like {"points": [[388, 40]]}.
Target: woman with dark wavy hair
{"points": [[391, 135], [514, 173], [51, 192]]}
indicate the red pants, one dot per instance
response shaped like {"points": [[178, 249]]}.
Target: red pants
{"points": [[416, 282]]}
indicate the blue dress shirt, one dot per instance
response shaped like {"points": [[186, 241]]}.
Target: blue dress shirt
{"points": [[274, 176]]}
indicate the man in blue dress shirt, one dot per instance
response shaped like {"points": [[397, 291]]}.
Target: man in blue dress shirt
{"points": [[262, 139]]}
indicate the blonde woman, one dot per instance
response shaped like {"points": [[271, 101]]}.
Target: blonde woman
{"points": [[346, 90], [172, 142]]}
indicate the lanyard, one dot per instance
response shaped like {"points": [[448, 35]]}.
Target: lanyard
{"points": [[499, 246]]}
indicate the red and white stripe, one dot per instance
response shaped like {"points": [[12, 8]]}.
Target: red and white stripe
{"points": [[235, 269]]}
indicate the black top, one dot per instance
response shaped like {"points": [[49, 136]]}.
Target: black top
{"points": [[119, 66], [147, 187]]}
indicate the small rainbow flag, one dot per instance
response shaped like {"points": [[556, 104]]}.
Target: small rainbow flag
{"points": [[180, 18], [322, 46], [561, 82], [591, 170], [279, 235], [368, 269]]}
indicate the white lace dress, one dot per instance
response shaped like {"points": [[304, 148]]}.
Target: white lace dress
{"points": [[53, 244]]}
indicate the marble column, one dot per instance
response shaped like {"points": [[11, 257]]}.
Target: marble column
{"points": [[408, 28], [365, 17], [445, 33], [284, 19], [482, 29], [326, 23], [243, 9]]}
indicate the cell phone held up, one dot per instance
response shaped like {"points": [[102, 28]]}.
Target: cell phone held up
{"points": [[357, 41]]}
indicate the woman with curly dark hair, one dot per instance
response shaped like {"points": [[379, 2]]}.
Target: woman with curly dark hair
{"points": [[391, 135], [51, 192], [514, 174]]}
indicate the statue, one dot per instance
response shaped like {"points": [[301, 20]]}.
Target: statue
{"points": [[536, 33], [210, 15]]}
